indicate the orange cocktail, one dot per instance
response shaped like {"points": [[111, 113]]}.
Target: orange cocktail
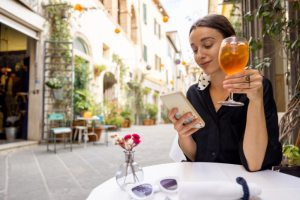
{"points": [[234, 56]]}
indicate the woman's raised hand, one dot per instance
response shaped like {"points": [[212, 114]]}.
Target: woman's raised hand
{"points": [[183, 130]]}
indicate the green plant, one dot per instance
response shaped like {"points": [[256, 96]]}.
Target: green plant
{"points": [[152, 110], [99, 68], [138, 96], [116, 58], [83, 100], [146, 91], [236, 18], [292, 153], [127, 111], [166, 118], [155, 95], [54, 83], [278, 26], [117, 120]]}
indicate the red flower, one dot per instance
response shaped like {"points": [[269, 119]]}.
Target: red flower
{"points": [[136, 136], [127, 137], [136, 141]]}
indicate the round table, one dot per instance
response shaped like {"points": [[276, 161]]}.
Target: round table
{"points": [[275, 185]]}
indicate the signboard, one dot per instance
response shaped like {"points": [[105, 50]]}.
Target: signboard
{"points": [[31, 4]]}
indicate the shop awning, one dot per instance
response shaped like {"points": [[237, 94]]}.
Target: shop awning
{"points": [[19, 27]]}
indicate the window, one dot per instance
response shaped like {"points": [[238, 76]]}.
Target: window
{"points": [[145, 53], [159, 64], [101, 1], [145, 13], [79, 45], [156, 60], [106, 51], [155, 24], [169, 51], [159, 34], [119, 12], [167, 77]]}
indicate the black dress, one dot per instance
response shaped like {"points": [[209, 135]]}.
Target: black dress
{"points": [[221, 140]]}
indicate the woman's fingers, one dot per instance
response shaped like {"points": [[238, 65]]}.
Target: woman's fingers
{"points": [[242, 74], [171, 115], [190, 132], [189, 126], [179, 124]]}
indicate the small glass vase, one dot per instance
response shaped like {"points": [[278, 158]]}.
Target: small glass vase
{"points": [[129, 172]]}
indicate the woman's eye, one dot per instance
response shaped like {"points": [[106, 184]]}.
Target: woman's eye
{"points": [[207, 47], [195, 51]]}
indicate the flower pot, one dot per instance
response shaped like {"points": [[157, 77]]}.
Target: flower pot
{"points": [[11, 133], [151, 121], [98, 131], [57, 93], [97, 73], [147, 122], [165, 122], [294, 171], [125, 124]]}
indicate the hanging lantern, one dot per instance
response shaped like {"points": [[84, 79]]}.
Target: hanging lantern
{"points": [[177, 59], [64, 14], [128, 67], [181, 89], [162, 65], [78, 7], [183, 63], [160, 80], [172, 82], [165, 19], [185, 76], [148, 67], [117, 31]]}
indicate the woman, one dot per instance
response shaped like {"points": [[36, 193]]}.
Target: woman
{"points": [[246, 135]]}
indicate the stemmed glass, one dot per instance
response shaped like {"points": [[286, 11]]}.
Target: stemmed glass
{"points": [[233, 58]]}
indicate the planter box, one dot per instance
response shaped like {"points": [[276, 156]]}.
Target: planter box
{"points": [[294, 171], [57, 93], [165, 122], [152, 121], [97, 73], [147, 122], [125, 124], [98, 131]]}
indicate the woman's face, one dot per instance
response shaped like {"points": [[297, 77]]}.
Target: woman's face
{"points": [[206, 43]]}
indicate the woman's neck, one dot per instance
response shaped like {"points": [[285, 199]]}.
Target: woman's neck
{"points": [[217, 80]]}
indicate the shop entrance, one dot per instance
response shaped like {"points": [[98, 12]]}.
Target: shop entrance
{"points": [[14, 84]]}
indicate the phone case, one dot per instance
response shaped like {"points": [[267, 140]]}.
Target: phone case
{"points": [[178, 100]]}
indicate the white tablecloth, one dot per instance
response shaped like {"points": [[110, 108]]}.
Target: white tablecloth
{"points": [[275, 185]]}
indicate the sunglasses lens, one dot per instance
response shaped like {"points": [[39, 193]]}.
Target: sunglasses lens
{"points": [[169, 184], [143, 190]]}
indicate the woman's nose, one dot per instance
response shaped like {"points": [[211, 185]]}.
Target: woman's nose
{"points": [[200, 54]]}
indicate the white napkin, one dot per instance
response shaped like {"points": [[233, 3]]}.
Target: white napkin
{"points": [[215, 190]]}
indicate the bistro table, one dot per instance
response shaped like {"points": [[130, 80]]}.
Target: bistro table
{"points": [[86, 138], [275, 185]]}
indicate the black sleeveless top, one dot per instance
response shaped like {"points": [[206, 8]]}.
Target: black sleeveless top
{"points": [[221, 140]]}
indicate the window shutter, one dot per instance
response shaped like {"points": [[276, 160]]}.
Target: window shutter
{"points": [[145, 53], [145, 13], [155, 62], [159, 35], [155, 26], [159, 64]]}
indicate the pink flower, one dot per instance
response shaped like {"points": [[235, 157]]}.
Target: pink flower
{"points": [[127, 137], [136, 141], [136, 136]]}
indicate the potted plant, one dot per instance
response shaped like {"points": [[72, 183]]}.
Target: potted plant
{"points": [[155, 95], [291, 161], [56, 88], [127, 114], [166, 119], [152, 111], [98, 69]]}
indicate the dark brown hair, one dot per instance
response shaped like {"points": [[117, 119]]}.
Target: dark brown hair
{"points": [[218, 22]]}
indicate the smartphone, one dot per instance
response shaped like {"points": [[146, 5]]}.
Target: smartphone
{"points": [[179, 101]]}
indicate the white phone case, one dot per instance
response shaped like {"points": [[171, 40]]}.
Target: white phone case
{"points": [[179, 101]]}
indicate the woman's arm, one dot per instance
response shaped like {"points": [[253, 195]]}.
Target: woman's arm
{"points": [[256, 135], [260, 148]]}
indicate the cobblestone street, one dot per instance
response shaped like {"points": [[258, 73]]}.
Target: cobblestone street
{"points": [[36, 174]]}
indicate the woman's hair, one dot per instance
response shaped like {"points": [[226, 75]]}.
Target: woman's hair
{"points": [[218, 22]]}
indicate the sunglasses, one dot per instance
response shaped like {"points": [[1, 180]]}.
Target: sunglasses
{"points": [[145, 190]]}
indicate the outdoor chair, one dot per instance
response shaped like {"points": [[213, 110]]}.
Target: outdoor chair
{"points": [[106, 127], [57, 120]]}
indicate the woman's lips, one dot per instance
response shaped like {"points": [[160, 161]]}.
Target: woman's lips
{"points": [[205, 64]]}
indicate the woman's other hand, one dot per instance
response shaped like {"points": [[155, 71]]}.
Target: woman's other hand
{"points": [[183, 130], [235, 83]]}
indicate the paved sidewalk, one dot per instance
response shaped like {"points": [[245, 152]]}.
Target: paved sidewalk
{"points": [[36, 174]]}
